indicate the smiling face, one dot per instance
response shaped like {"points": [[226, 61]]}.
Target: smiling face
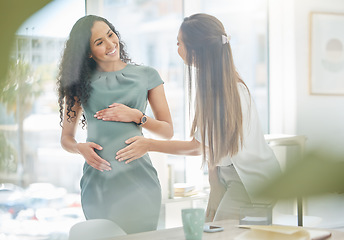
{"points": [[105, 48]]}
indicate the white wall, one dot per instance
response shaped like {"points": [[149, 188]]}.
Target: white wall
{"points": [[321, 118], [293, 110]]}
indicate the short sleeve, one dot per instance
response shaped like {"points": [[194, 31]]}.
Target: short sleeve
{"points": [[198, 136], [153, 78]]}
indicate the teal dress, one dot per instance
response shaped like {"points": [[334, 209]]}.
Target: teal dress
{"points": [[129, 194]]}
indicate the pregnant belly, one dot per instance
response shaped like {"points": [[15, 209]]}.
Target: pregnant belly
{"points": [[111, 136]]}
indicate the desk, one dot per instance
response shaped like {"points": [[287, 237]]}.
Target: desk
{"points": [[231, 230]]}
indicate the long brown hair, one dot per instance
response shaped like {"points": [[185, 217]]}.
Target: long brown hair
{"points": [[218, 115], [73, 81]]}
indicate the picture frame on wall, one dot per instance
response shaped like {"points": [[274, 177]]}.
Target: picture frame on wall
{"points": [[326, 54]]}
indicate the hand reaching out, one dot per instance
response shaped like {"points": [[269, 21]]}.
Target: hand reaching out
{"points": [[120, 113], [137, 147], [215, 197], [91, 157]]}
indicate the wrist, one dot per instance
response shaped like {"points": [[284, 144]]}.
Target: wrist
{"points": [[149, 144], [143, 119], [137, 117], [77, 147]]}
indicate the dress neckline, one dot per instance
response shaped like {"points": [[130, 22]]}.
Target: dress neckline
{"points": [[114, 72]]}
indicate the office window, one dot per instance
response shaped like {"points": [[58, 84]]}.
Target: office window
{"points": [[247, 23], [38, 180]]}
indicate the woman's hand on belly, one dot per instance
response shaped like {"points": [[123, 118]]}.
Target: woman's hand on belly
{"points": [[87, 150], [120, 113], [138, 146]]}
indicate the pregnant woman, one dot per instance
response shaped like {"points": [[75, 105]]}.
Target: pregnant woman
{"points": [[98, 84]]}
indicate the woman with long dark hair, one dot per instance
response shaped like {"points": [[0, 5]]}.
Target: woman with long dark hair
{"points": [[225, 129], [98, 83]]}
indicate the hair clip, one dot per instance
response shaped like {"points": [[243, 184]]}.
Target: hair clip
{"points": [[225, 39]]}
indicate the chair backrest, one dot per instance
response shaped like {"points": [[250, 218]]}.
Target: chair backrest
{"points": [[95, 229], [287, 148]]}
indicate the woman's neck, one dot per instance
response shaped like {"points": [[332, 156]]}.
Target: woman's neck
{"points": [[111, 67]]}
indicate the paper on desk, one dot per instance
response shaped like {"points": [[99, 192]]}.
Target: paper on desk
{"points": [[260, 232]]}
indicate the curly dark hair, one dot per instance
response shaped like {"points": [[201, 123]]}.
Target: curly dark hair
{"points": [[73, 81]]}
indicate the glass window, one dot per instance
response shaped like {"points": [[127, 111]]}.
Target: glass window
{"points": [[246, 22], [39, 181]]}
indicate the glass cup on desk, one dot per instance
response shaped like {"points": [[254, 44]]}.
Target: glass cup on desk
{"points": [[256, 214], [193, 221]]}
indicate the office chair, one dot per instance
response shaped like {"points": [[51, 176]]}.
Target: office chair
{"points": [[95, 229]]}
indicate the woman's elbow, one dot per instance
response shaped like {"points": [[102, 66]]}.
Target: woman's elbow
{"points": [[170, 133], [63, 143]]}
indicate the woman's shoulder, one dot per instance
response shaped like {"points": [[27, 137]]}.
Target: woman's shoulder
{"points": [[143, 68], [147, 70], [150, 73]]}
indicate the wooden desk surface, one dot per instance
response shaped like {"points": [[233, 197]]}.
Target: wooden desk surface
{"points": [[231, 230]]}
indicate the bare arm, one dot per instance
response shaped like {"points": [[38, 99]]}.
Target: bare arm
{"points": [[160, 125], [138, 146], [69, 128], [217, 190], [69, 143]]}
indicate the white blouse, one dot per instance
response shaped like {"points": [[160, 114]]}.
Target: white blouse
{"points": [[255, 162]]}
